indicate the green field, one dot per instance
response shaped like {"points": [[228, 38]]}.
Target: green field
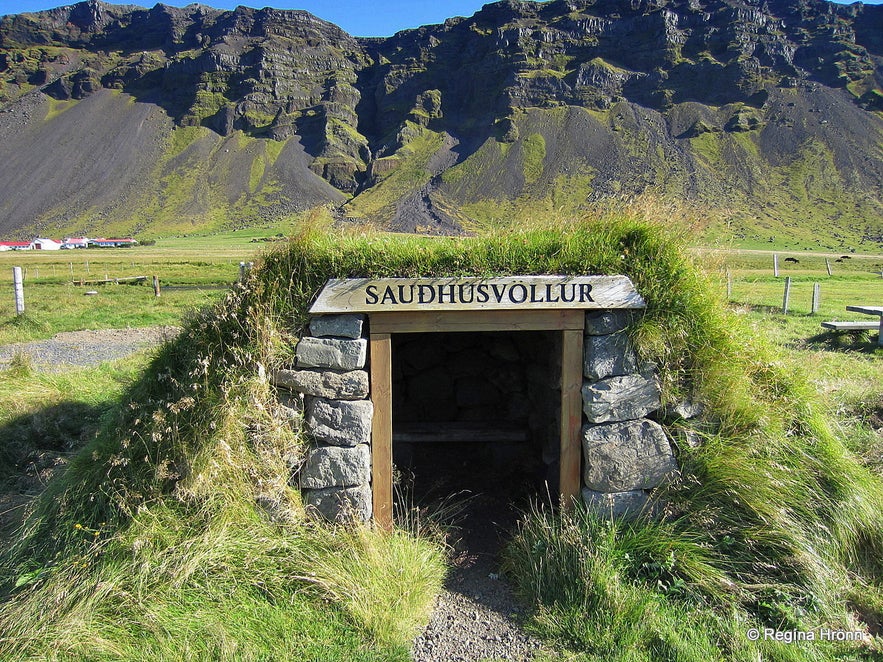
{"points": [[193, 271]]}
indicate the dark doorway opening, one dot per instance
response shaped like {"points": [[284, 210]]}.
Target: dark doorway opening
{"points": [[476, 416]]}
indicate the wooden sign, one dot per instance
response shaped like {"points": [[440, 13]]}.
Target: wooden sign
{"points": [[367, 295]]}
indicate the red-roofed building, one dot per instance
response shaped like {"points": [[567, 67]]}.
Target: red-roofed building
{"points": [[15, 245]]}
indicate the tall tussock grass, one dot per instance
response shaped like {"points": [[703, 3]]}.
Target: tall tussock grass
{"points": [[175, 534]]}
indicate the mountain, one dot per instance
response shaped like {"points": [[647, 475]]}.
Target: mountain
{"points": [[767, 114]]}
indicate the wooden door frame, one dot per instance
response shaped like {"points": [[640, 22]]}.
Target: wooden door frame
{"points": [[570, 323]]}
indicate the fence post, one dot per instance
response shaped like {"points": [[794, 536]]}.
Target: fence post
{"points": [[828, 265], [156, 286], [775, 265], [19, 289], [787, 298], [816, 297]]}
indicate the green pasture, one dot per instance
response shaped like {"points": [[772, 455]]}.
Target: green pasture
{"points": [[193, 272]]}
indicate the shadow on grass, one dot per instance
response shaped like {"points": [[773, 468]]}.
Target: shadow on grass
{"points": [[32, 443], [864, 342]]}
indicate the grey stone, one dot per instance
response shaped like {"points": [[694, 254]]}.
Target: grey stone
{"points": [[602, 322], [334, 466], [626, 505], [291, 406], [339, 422], [331, 353], [339, 504], [619, 457], [684, 410], [505, 350], [338, 326], [350, 385], [689, 436], [609, 356], [620, 398]]}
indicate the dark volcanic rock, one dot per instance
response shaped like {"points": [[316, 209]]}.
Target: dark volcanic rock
{"points": [[658, 73]]}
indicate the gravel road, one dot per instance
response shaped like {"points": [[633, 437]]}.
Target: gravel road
{"points": [[83, 348]]}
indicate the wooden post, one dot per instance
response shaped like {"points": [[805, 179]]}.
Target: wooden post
{"points": [[786, 300], [729, 286], [775, 265], [156, 286], [18, 287], [828, 265], [571, 416], [816, 298], [87, 267], [381, 428], [71, 265]]}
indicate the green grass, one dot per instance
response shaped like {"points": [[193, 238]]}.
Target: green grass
{"points": [[174, 529], [58, 411], [201, 266], [774, 521], [533, 155]]}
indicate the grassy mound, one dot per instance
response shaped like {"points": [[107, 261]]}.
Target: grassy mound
{"points": [[175, 531]]}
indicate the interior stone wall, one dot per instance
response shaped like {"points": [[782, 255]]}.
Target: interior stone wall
{"points": [[506, 385]]}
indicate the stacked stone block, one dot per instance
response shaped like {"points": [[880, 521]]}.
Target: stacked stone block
{"points": [[330, 376], [625, 454]]}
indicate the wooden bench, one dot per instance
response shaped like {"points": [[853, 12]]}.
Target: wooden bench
{"points": [[460, 432], [851, 326], [876, 311]]}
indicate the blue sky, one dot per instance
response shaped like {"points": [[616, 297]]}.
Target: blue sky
{"points": [[360, 18]]}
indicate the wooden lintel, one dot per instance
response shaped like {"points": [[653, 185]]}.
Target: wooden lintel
{"points": [[472, 321]]}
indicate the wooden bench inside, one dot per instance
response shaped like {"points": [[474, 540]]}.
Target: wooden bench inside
{"points": [[851, 326], [460, 432]]}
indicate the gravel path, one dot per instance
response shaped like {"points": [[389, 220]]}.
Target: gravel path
{"points": [[476, 616], [83, 348]]}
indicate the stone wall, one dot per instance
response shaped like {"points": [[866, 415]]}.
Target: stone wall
{"points": [[329, 387], [625, 453]]}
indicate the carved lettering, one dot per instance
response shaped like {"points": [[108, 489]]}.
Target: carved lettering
{"points": [[501, 293]]}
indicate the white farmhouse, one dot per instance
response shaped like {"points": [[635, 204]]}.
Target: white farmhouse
{"points": [[41, 244]]}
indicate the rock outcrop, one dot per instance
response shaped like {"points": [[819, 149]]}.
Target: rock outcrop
{"points": [[662, 88]]}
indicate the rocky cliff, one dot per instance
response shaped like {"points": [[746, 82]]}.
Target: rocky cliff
{"points": [[140, 119]]}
